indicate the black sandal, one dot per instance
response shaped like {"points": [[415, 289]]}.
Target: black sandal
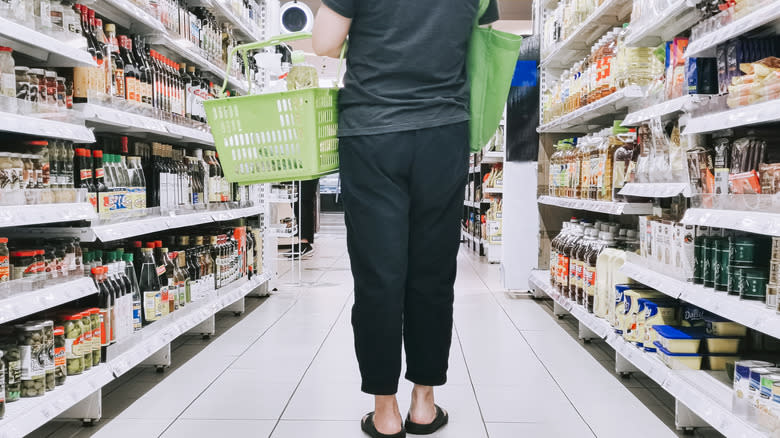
{"points": [[368, 426], [442, 418]]}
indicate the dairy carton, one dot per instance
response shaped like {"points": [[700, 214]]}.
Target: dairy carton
{"points": [[657, 312], [754, 389]]}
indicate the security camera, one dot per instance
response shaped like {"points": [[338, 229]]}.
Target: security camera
{"points": [[296, 17]]}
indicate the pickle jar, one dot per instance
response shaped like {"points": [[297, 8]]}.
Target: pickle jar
{"points": [[74, 344], [12, 361], [94, 319], [86, 335], [47, 356], [60, 357], [31, 344]]}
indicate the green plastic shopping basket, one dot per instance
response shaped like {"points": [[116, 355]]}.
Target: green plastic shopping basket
{"points": [[286, 136]]}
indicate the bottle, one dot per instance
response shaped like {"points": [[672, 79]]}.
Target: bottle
{"points": [[67, 156], [127, 294], [193, 103], [131, 74], [144, 72], [250, 253], [98, 176], [577, 292], [186, 84], [160, 258], [185, 277], [171, 281], [149, 286], [117, 63], [104, 304], [84, 172], [106, 78]]}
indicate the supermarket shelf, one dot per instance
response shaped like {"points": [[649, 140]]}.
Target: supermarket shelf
{"points": [[236, 213], [493, 190], [663, 109], [40, 127], [111, 118], [707, 395], [283, 232], [676, 18], [750, 221], [765, 112], [125, 14], [130, 352], [18, 215], [282, 200], [474, 169], [656, 190], [493, 157], [27, 303], [751, 314], [705, 45], [583, 119], [47, 49], [577, 45], [28, 414], [616, 208], [245, 31]]}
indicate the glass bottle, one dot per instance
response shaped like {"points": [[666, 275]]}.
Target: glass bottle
{"points": [[149, 286]]}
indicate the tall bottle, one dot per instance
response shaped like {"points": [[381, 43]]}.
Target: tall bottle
{"points": [[186, 84], [160, 258], [149, 286], [170, 280], [135, 293], [132, 85], [104, 304], [98, 176]]}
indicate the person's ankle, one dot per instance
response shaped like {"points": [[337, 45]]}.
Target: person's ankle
{"points": [[387, 416], [422, 409]]}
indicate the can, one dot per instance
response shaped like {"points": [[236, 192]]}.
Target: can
{"points": [[706, 262], [698, 259], [743, 250], [737, 279], [754, 285], [722, 263]]}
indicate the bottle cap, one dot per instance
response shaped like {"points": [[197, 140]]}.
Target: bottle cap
{"points": [[6, 49], [150, 245], [110, 27], [3, 240]]}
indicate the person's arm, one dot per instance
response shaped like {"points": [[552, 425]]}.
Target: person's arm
{"points": [[491, 14], [331, 27]]}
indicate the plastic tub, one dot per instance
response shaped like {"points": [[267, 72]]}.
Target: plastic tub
{"points": [[718, 326], [717, 345], [717, 362], [679, 339], [678, 361]]}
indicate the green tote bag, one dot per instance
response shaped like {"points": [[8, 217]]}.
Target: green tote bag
{"points": [[492, 58]]}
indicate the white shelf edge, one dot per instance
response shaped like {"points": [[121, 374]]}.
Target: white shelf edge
{"points": [[28, 414], [611, 104], [614, 208], [493, 190], [18, 215], [22, 304], [756, 222], [662, 109], [249, 34], [764, 112], [767, 14], [656, 190], [673, 20], [597, 17], [42, 127], [38, 44], [698, 390]]}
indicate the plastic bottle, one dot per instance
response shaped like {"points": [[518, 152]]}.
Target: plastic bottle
{"points": [[302, 75]]}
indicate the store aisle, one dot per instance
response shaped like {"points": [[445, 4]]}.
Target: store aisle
{"points": [[287, 369]]}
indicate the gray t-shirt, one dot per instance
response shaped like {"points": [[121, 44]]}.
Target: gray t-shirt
{"points": [[406, 64]]}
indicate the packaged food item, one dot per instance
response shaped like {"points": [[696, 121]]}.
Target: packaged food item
{"points": [[679, 339], [60, 356], [722, 345], [12, 360], [717, 362], [740, 398], [678, 361], [47, 354], [719, 326], [75, 344], [658, 312], [31, 346]]}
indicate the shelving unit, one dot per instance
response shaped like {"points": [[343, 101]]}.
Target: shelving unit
{"points": [[18, 215], [48, 49], [656, 190], [606, 207], [766, 112], [750, 221], [587, 118], [663, 110], [705, 45], [24, 303], [42, 127], [707, 395], [27, 414], [675, 19]]}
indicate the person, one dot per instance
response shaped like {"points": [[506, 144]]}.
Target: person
{"points": [[403, 151], [307, 222]]}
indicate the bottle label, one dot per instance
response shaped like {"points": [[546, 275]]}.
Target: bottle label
{"points": [[103, 333], [82, 78], [59, 356], [104, 204], [151, 305], [85, 174], [32, 366], [137, 315], [8, 82], [119, 82], [160, 270], [162, 304], [5, 269]]}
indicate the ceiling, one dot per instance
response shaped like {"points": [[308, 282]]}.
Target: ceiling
{"points": [[510, 9]]}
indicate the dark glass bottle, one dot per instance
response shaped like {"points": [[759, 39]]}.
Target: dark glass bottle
{"points": [[98, 176], [149, 284], [131, 74]]}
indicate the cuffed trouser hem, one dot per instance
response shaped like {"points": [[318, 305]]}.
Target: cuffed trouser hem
{"points": [[426, 381], [379, 389]]}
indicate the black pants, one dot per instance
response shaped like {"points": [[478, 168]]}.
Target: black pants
{"points": [[403, 199], [307, 197]]}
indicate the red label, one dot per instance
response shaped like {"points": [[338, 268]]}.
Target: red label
{"points": [[59, 356], [103, 332], [5, 268], [160, 270], [99, 173], [85, 174]]}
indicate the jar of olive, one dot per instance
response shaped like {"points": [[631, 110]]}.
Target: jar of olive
{"points": [[94, 319], [60, 358], [47, 356], [74, 344], [12, 360], [86, 335], [2, 387], [30, 339]]}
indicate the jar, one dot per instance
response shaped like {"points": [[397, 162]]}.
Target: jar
{"points": [[69, 94], [7, 72], [22, 82], [6, 172], [60, 358], [31, 345], [94, 318], [48, 352], [86, 334], [2, 386], [17, 171], [37, 162], [43, 15], [61, 92], [37, 85], [12, 361], [28, 173], [51, 87], [74, 344], [23, 265]]}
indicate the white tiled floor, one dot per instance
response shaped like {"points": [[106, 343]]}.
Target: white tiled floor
{"points": [[287, 369]]}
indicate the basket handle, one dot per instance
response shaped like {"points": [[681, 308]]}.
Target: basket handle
{"points": [[275, 41]]}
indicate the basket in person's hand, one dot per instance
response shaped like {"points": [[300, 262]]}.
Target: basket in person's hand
{"points": [[275, 137]]}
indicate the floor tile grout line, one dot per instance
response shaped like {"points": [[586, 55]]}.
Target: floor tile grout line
{"points": [[316, 354], [557, 384], [471, 381]]}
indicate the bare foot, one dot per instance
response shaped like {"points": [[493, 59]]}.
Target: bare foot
{"points": [[422, 410], [387, 416]]}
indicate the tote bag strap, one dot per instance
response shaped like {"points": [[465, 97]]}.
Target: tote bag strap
{"points": [[483, 6]]}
